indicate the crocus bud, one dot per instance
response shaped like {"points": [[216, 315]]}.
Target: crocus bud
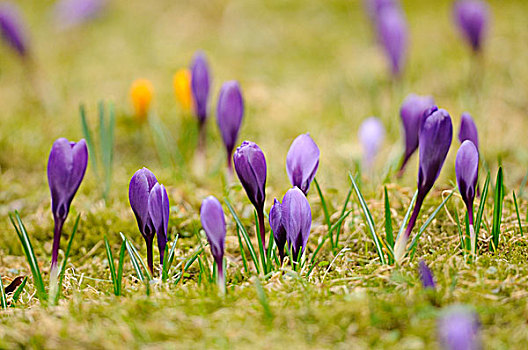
{"points": [[466, 169], [393, 36], [13, 28], [275, 221], [374, 7], [458, 329], [200, 83], [371, 135], [66, 167], [182, 89], [302, 162], [159, 210], [213, 223], [229, 112], [297, 220], [141, 93], [71, 13], [411, 113], [426, 276], [468, 130], [472, 17]]}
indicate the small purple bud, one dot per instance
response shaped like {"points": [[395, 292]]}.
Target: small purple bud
{"points": [[472, 17], [458, 329], [229, 113], [468, 130], [426, 276], [411, 113], [371, 135], [297, 220], [13, 28], [302, 162], [393, 36], [159, 211], [213, 223], [275, 221], [200, 84], [466, 169], [250, 166], [70, 13], [66, 168]]}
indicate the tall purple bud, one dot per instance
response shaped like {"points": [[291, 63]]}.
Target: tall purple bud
{"points": [[393, 36], [71, 13], [371, 134], [159, 211], [468, 130], [466, 169], [375, 7], [250, 166], [200, 86], [13, 28], [275, 221], [66, 167], [411, 114], [426, 276], [435, 138], [302, 162], [213, 223], [229, 113], [472, 19], [458, 329], [297, 220]]}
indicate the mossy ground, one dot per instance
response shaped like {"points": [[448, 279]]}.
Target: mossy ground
{"points": [[305, 66]]}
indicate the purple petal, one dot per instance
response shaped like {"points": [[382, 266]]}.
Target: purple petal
{"points": [[472, 17], [200, 83], [275, 221], [12, 28], [458, 329], [250, 166], [426, 275], [466, 169], [392, 33], [411, 113], [139, 189], [297, 219], [302, 162], [213, 223], [468, 130], [159, 210], [371, 134], [70, 13], [229, 112]]}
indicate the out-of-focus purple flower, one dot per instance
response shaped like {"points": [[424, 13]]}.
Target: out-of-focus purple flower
{"points": [[159, 211], [458, 329], [302, 162], [472, 17], [66, 168], [435, 138], [70, 13], [275, 220], [411, 113], [371, 135], [200, 84], [297, 220], [468, 130], [393, 36], [426, 275], [150, 204], [213, 222], [375, 7], [13, 28], [466, 169], [229, 113]]}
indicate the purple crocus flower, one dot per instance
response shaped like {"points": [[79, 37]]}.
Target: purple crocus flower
{"points": [[297, 220], [66, 167], [275, 221], [250, 166], [468, 130], [213, 223], [472, 17], [466, 169], [426, 276], [375, 7], [229, 113], [411, 114], [200, 84], [371, 135], [302, 162], [70, 13], [435, 138], [393, 36], [458, 329], [13, 29], [150, 204]]}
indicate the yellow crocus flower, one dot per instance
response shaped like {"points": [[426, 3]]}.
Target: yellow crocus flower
{"points": [[182, 89], [141, 93]]}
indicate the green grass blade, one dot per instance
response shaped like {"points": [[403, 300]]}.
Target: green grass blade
{"points": [[460, 233], [261, 247], [497, 210], [111, 265], [242, 251], [518, 215], [370, 222], [263, 299], [168, 259], [480, 211], [3, 298], [119, 277], [388, 220], [141, 261], [407, 215], [18, 291], [325, 209], [89, 139], [66, 256], [133, 259], [338, 232]]}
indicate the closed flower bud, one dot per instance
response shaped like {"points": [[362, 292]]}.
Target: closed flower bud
{"points": [[213, 223], [159, 210], [393, 36], [182, 89], [141, 94], [200, 84], [297, 220], [371, 134], [66, 168], [229, 113], [466, 169], [472, 17], [302, 162], [468, 130], [12, 28], [458, 329], [275, 221], [426, 276]]}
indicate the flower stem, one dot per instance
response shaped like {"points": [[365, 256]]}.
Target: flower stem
{"points": [[150, 258], [56, 242], [401, 243], [260, 213]]}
